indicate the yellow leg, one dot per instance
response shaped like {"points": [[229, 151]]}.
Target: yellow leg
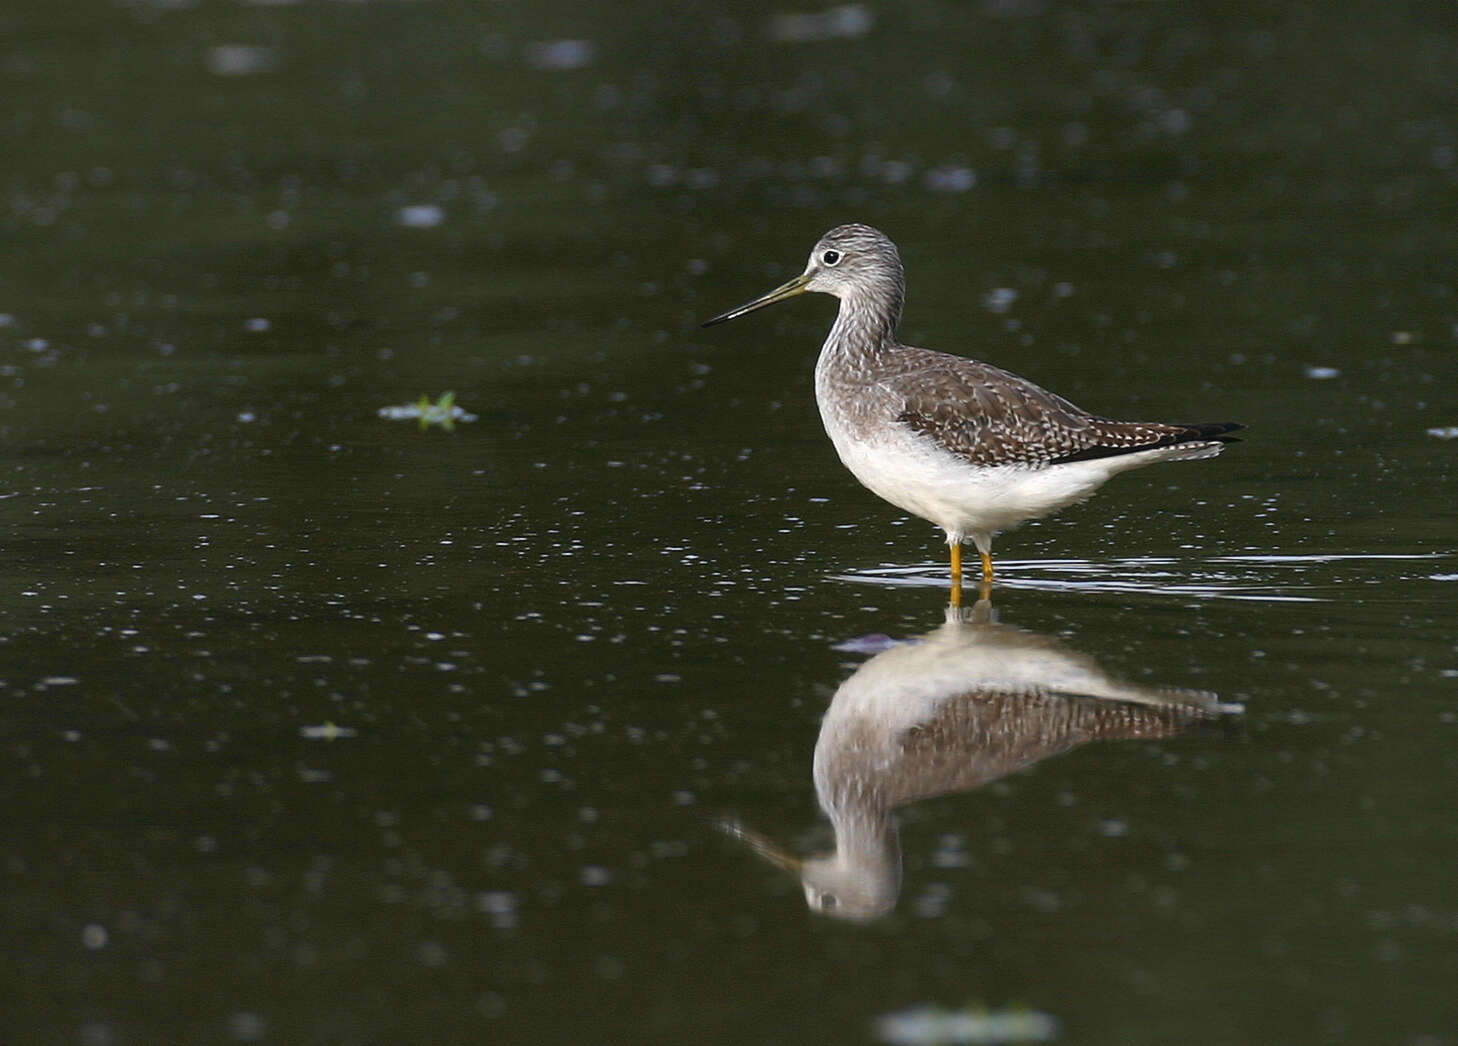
{"points": [[956, 593], [986, 567]]}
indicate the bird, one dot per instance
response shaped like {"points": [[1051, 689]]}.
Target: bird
{"points": [[971, 447], [949, 712]]}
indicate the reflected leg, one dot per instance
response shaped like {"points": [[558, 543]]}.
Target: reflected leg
{"points": [[984, 549]]}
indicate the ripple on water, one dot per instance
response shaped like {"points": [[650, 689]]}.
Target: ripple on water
{"points": [[1308, 578]]}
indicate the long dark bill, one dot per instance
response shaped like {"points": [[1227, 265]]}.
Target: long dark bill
{"points": [[788, 290]]}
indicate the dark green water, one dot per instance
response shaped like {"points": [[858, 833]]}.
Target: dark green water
{"points": [[323, 728]]}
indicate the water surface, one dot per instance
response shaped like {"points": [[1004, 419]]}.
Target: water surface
{"points": [[322, 727]]}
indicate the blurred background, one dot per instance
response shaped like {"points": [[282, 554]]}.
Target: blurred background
{"points": [[342, 709]]}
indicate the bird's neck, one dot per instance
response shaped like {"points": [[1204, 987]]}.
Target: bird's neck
{"points": [[866, 838], [864, 328]]}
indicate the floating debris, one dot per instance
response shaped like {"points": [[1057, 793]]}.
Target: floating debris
{"points": [[1322, 373], [1445, 432], [928, 1025], [442, 412], [326, 732]]}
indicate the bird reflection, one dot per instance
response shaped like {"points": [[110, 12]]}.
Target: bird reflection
{"points": [[960, 707]]}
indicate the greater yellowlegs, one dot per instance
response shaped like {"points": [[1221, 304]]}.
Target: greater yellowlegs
{"points": [[966, 445], [961, 707]]}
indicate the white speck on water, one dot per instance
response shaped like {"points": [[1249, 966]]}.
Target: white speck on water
{"points": [[845, 21], [244, 1026], [500, 907], [1316, 373], [95, 1033], [928, 1025], [561, 54], [1114, 828], [1174, 121], [700, 178], [420, 216], [257, 324], [94, 937], [894, 172], [60, 681], [950, 179], [240, 59], [950, 853], [999, 300], [496, 902], [931, 903], [246, 416], [1444, 432], [596, 875], [662, 175]]}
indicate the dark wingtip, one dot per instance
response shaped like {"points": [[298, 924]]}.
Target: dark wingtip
{"points": [[1210, 431], [1218, 428], [716, 321], [1215, 430]]}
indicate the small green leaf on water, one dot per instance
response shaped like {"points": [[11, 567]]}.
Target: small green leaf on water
{"points": [[442, 412]]}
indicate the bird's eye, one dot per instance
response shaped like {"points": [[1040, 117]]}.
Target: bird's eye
{"points": [[831, 257], [828, 900]]}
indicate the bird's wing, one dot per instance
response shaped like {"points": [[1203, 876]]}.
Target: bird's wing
{"points": [[989, 416], [983, 735]]}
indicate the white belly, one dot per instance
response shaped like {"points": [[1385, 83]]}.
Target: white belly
{"points": [[966, 501]]}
